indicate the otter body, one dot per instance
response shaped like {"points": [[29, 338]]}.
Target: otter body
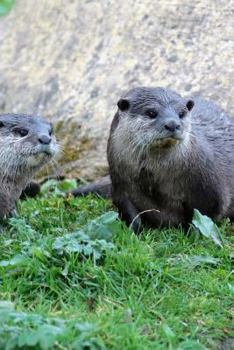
{"points": [[26, 144], [168, 156]]}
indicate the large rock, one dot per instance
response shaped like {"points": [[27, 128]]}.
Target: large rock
{"points": [[70, 61]]}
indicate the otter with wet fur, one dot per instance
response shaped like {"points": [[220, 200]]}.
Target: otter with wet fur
{"points": [[27, 143], [167, 156]]}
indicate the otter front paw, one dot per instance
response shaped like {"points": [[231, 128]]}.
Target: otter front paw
{"points": [[129, 214], [32, 190]]}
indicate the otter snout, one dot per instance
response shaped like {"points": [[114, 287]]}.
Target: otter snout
{"points": [[47, 145], [172, 126], [45, 139]]}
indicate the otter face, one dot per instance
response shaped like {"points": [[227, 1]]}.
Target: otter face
{"points": [[154, 117], [26, 144]]}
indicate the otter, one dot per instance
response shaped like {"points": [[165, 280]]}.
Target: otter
{"points": [[27, 143], [167, 156]]}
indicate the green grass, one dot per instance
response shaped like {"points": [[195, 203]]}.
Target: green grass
{"points": [[155, 291]]}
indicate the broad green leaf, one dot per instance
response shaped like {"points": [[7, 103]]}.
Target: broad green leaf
{"points": [[108, 217], [168, 331], [28, 338], [84, 327], [89, 344], [6, 305], [58, 187], [67, 185], [22, 330], [50, 185], [192, 261], [47, 335], [207, 227], [21, 226], [231, 287], [71, 242], [11, 343], [79, 242], [197, 260], [93, 240], [16, 260], [191, 345], [103, 227]]}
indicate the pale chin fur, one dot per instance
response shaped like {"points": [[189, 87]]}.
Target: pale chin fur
{"points": [[164, 143], [43, 157], [37, 159]]}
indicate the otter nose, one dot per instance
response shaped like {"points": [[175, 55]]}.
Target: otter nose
{"points": [[44, 139], [172, 126]]}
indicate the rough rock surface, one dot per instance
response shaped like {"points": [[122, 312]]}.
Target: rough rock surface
{"points": [[70, 61]]}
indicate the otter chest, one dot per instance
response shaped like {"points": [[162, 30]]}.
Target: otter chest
{"points": [[163, 189]]}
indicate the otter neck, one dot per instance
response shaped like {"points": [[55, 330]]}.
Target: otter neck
{"points": [[14, 180]]}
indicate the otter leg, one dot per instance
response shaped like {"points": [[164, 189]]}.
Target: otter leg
{"points": [[31, 190], [129, 214], [7, 206]]}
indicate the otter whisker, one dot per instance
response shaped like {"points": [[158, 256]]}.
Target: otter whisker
{"points": [[55, 166], [141, 213]]}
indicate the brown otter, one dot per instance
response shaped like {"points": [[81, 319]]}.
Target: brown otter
{"points": [[167, 156], [26, 144]]}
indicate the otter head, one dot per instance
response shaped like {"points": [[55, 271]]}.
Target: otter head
{"points": [[154, 117], [26, 144]]}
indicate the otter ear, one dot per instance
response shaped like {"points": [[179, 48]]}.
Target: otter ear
{"points": [[123, 104], [190, 104]]}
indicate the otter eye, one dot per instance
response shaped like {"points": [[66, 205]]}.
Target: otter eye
{"points": [[22, 132], [152, 113], [182, 114]]}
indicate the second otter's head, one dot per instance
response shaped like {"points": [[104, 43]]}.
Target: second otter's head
{"points": [[26, 144], [154, 117]]}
